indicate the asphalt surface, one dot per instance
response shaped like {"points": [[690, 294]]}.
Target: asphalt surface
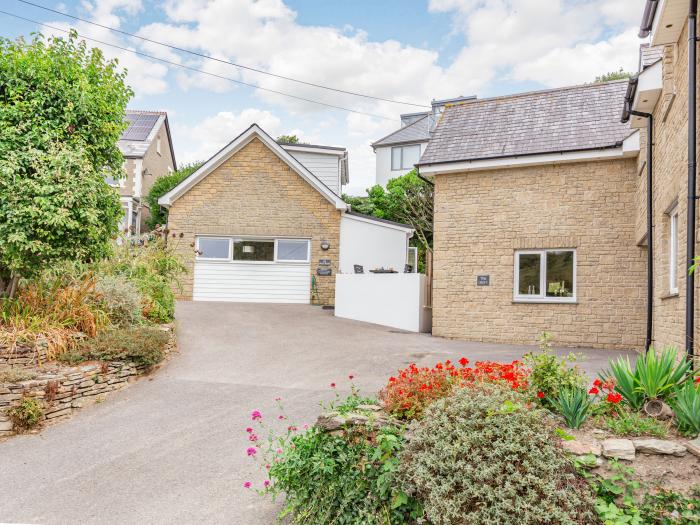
{"points": [[171, 448]]}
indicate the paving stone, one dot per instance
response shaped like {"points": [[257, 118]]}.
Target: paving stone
{"points": [[659, 446], [581, 448], [619, 449]]}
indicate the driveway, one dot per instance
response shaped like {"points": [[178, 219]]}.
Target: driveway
{"points": [[171, 448]]}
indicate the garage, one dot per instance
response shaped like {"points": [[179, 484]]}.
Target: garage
{"points": [[252, 269]]}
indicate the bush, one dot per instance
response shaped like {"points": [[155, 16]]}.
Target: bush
{"points": [[658, 375], [668, 507], [27, 414], [119, 299], [573, 404], [159, 215], [630, 423], [480, 456], [686, 407], [626, 380], [10, 374], [143, 345]]}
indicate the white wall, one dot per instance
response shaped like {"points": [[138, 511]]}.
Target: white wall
{"points": [[371, 244], [326, 167], [383, 164], [396, 300]]}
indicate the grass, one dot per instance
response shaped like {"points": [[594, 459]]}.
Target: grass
{"points": [[10, 374], [632, 423]]}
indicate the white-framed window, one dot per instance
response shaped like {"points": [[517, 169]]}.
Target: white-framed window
{"points": [[293, 250], [254, 250], [404, 157], [673, 251], [545, 276], [214, 248], [412, 258]]}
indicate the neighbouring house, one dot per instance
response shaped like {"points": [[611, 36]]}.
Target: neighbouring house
{"points": [[397, 153], [148, 153], [264, 222], [536, 219]]}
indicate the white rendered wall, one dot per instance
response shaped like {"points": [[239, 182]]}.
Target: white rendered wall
{"points": [[396, 300], [371, 244], [383, 164]]}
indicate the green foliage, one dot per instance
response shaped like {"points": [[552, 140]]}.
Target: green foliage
{"points": [[686, 407], [613, 75], [9, 374], [615, 502], [159, 215], [668, 507], [630, 423], [626, 381], [143, 345], [551, 374], [119, 299], [573, 404], [26, 414], [469, 462], [288, 139], [348, 479], [61, 114], [658, 375]]}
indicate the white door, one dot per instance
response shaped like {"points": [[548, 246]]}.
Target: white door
{"points": [[252, 270]]}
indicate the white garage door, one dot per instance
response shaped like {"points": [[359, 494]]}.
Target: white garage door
{"points": [[252, 270]]}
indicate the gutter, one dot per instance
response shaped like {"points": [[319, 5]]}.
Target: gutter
{"points": [[692, 196], [648, 18]]}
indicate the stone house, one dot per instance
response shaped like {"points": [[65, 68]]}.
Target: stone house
{"points": [[148, 155], [264, 222]]}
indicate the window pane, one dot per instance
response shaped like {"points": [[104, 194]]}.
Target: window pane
{"points": [[253, 250], [210, 248], [560, 274], [411, 156], [395, 158], [673, 256], [529, 274], [292, 250]]}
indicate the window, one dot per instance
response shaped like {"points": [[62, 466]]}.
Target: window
{"points": [[292, 250], [404, 157], [254, 250], [673, 252], [213, 248], [158, 145], [545, 276]]}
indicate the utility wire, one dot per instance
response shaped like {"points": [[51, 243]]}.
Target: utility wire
{"points": [[169, 62], [201, 55]]}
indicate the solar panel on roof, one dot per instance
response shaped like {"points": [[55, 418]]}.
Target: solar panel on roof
{"points": [[139, 126]]}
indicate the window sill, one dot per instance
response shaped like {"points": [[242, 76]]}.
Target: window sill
{"points": [[670, 295], [544, 301]]}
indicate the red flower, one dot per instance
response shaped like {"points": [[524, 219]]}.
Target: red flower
{"points": [[697, 380], [614, 398], [597, 383], [464, 361], [351, 377], [594, 391], [332, 385], [540, 395]]}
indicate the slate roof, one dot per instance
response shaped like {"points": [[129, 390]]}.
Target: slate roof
{"points": [[419, 131], [649, 55], [136, 139], [556, 120]]}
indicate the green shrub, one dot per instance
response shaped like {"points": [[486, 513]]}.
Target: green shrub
{"points": [[480, 456], [119, 299], [551, 374], [658, 375], [159, 215], [686, 407], [626, 379], [143, 345], [9, 374], [26, 414], [573, 404], [668, 507], [630, 423], [348, 479]]}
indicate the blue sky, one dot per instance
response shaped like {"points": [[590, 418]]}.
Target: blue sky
{"points": [[410, 50]]}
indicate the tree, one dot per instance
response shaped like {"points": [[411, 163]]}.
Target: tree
{"points": [[288, 139], [407, 199], [61, 114], [613, 75], [162, 186]]}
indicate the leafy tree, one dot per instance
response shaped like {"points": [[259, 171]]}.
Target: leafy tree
{"points": [[162, 186], [61, 114], [288, 139], [613, 75]]}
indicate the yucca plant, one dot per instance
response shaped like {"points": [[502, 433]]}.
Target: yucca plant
{"points": [[626, 381], [659, 374], [686, 407], [573, 404]]}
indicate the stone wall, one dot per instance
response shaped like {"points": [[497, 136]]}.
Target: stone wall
{"points": [[255, 193], [482, 218], [61, 390], [24, 355]]}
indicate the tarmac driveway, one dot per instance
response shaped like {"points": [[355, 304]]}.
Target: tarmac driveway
{"points": [[171, 448]]}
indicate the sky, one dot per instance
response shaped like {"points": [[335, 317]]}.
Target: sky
{"points": [[410, 51]]}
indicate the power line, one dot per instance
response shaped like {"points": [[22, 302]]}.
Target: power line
{"points": [[201, 55], [169, 62]]}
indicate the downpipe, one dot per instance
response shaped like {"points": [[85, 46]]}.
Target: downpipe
{"points": [[692, 197]]}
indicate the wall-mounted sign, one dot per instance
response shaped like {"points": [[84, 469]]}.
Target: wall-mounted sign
{"points": [[324, 271], [324, 262], [482, 280]]}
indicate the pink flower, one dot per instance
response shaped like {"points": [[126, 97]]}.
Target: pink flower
{"points": [[267, 466], [278, 399], [279, 450], [249, 430], [306, 426], [247, 485], [280, 417], [256, 415], [251, 451], [266, 483], [253, 437], [351, 377], [332, 385]]}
